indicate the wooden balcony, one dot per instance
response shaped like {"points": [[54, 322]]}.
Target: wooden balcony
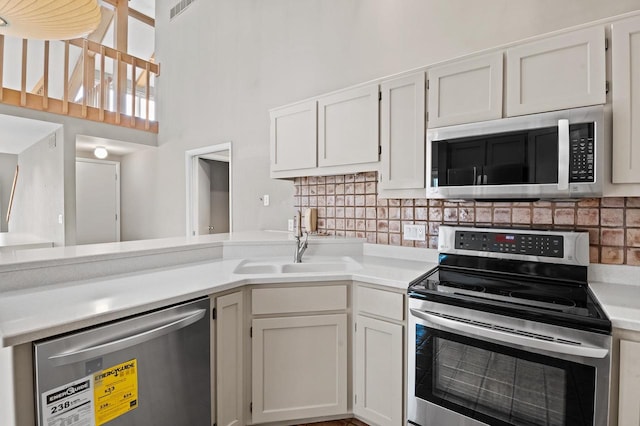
{"points": [[80, 78]]}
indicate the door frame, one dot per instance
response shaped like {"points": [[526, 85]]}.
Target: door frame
{"points": [[192, 156], [117, 164]]}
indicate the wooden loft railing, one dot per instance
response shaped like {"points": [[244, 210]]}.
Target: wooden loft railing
{"points": [[102, 85]]}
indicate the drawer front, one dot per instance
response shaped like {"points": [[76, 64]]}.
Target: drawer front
{"points": [[380, 303], [298, 299]]}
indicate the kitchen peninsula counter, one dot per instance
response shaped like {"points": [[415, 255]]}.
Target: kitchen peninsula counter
{"points": [[45, 292], [39, 298]]}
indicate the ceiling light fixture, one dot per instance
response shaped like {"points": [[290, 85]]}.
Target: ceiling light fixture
{"points": [[101, 152], [49, 20]]}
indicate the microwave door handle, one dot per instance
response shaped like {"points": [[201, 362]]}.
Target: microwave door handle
{"points": [[563, 155], [506, 337]]}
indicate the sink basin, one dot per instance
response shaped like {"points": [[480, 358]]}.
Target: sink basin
{"points": [[257, 269], [313, 264], [320, 267]]}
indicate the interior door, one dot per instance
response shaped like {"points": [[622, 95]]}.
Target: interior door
{"points": [[97, 201]]}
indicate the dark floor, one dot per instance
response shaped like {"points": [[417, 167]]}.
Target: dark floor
{"points": [[343, 422]]}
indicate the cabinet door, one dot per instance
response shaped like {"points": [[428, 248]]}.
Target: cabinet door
{"points": [[629, 394], [466, 91], [293, 137], [348, 127], [378, 371], [558, 72], [625, 67], [403, 132], [229, 360], [299, 367]]}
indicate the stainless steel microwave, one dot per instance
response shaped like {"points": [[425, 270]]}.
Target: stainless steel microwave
{"points": [[557, 154]]}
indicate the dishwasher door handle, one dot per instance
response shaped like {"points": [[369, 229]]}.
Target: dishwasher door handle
{"points": [[505, 337], [83, 354]]}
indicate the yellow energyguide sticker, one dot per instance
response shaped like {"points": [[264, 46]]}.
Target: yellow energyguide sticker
{"points": [[115, 391]]}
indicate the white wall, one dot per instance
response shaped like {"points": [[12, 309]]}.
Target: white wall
{"points": [[39, 195], [226, 62], [8, 164], [76, 126]]}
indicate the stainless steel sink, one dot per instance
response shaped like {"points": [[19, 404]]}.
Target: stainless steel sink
{"points": [[257, 269], [320, 267], [311, 264]]}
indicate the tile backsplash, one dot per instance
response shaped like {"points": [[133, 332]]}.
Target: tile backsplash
{"points": [[348, 205]]}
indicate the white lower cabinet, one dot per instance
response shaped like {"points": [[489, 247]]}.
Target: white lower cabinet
{"points": [[306, 360], [629, 387], [299, 367], [378, 361], [299, 352], [229, 360], [378, 371]]}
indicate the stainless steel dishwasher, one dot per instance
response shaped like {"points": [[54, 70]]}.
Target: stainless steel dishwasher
{"points": [[151, 369]]}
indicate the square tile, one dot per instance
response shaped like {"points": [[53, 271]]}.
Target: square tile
{"points": [[611, 217], [612, 237], [564, 216], [611, 255], [588, 217]]}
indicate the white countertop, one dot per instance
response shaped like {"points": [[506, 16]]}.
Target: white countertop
{"points": [[52, 307], [12, 241], [617, 288], [35, 313]]}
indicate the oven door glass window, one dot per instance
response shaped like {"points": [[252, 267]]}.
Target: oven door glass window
{"points": [[500, 385]]}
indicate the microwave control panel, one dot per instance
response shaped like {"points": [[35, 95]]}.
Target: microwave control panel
{"points": [[513, 243], [581, 153]]}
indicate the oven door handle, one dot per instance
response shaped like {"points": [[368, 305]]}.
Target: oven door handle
{"points": [[454, 326]]}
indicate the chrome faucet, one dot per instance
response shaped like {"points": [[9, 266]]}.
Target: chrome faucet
{"points": [[301, 246]]}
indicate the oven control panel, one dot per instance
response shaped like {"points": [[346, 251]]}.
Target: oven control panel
{"points": [[512, 243]]}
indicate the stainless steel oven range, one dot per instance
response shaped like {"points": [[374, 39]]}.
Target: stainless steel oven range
{"points": [[505, 331]]}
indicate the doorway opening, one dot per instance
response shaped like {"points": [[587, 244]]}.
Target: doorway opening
{"points": [[209, 190]]}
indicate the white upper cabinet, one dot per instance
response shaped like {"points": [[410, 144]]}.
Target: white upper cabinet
{"points": [[625, 67], [466, 91], [559, 72], [348, 127], [293, 137], [402, 126]]}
